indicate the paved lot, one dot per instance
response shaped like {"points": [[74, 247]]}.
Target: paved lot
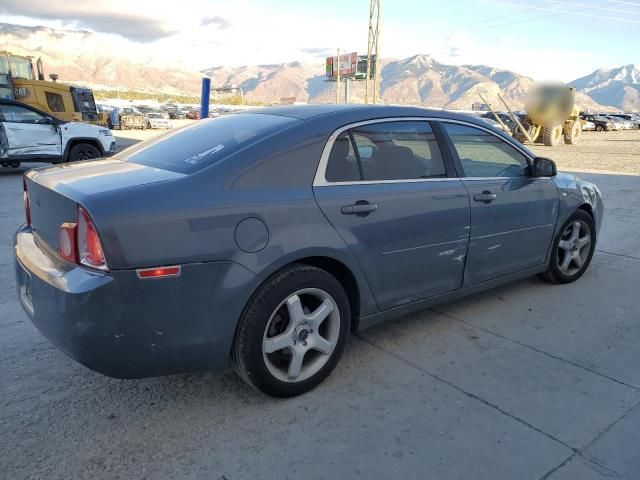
{"points": [[528, 381]]}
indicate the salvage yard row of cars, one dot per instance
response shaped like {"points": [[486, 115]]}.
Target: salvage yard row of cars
{"points": [[143, 116], [604, 122]]}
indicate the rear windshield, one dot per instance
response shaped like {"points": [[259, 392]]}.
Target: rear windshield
{"points": [[204, 143]]}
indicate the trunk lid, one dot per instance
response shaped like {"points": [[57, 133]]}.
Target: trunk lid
{"points": [[55, 192]]}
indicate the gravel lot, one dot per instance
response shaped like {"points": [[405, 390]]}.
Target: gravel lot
{"points": [[528, 381]]}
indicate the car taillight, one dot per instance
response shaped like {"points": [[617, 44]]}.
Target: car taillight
{"points": [[25, 199], [67, 246], [90, 251], [79, 242]]}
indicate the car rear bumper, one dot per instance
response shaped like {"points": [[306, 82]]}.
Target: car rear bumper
{"points": [[125, 327]]}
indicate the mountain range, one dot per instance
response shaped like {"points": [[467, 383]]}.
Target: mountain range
{"points": [[110, 63]]}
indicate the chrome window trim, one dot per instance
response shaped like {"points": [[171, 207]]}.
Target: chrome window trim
{"points": [[320, 180]]}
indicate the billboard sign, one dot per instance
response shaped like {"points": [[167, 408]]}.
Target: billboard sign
{"points": [[348, 65]]}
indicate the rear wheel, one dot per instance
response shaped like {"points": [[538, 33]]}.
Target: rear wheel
{"points": [[572, 132], [83, 151], [551, 135], [293, 332], [572, 249], [599, 128]]}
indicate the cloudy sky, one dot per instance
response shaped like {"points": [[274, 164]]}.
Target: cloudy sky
{"points": [[546, 39]]}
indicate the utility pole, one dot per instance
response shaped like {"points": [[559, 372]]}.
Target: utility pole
{"points": [[338, 78], [372, 49]]}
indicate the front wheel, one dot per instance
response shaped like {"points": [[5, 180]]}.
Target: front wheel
{"points": [[572, 249], [83, 151], [293, 332]]}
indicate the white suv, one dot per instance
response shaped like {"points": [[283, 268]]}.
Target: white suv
{"points": [[30, 135]]}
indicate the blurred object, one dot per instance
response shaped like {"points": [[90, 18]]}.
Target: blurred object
{"points": [[551, 114]]}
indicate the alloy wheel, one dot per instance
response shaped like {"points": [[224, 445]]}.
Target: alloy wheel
{"points": [[574, 247], [301, 335]]}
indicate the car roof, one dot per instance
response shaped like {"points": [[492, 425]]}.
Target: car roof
{"points": [[308, 112]]}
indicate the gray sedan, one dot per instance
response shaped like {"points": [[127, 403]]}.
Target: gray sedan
{"points": [[262, 239]]}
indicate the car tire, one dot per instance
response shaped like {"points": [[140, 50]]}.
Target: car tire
{"points": [[572, 249], [599, 128], [292, 332], [83, 151]]}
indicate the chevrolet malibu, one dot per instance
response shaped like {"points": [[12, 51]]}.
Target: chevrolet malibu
{"points": [[262, 239]]}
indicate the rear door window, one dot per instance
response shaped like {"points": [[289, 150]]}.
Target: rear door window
{"points": [[206, 142], [406, 150]]}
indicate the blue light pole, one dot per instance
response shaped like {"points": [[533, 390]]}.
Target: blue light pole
{"points": [[204, 97]]}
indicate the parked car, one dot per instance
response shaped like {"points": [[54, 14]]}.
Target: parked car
{"points": [[193, 114], [127, 118], [31, 135], [587, 125], [494, 123], [157, 120], [617, 123], [177, 114], [263, 239], [505, 118], [630, 122], [602, 124]]}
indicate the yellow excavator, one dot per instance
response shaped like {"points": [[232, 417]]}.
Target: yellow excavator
{"points": [[551, 116], [19, 81]]}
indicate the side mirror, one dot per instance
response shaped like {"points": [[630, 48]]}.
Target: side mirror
{"points": [[544, 167], [46, 120]]}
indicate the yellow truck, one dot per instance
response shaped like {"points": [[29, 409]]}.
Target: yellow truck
{"points": [[19, 82]]}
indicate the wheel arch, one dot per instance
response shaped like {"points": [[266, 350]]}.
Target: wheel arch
{"points": [[346, 278], [587, 208], [335, 267], [78, 140]]}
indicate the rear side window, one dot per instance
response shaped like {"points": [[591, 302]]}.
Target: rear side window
{"points": [[204, 143], [54, 101], [386, 151]]}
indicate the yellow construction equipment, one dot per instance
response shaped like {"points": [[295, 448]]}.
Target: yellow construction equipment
{"points": [[18, 81], [551, 115]]}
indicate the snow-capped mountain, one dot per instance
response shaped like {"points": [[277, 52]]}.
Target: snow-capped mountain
{"points": [[617, 86], [111, 62]]}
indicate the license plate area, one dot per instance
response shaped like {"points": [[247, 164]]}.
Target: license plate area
{"points": [[25, 289]]}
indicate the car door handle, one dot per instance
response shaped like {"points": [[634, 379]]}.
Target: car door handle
{"points": [[359, 208], [485, 197]]}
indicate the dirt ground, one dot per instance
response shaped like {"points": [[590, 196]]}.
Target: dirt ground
{"points": [[596, 152]]}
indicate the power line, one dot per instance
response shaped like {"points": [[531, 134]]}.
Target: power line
{"points": [[570, 13], [526, 20], [621, 2], [493, 19], [574, 4]]}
